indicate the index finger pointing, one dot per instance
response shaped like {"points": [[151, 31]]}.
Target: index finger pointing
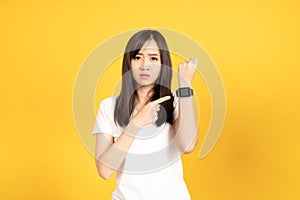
{"points": [[162, 99]]}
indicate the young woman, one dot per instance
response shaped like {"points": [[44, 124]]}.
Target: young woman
{"points": [[146, 118]]}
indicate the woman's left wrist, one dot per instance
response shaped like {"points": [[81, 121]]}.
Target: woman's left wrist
{"points": [[185, 84]]}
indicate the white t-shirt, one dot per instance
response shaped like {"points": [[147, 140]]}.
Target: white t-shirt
{"points": [[152, 170]]}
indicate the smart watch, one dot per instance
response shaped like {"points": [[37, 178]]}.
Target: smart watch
{"points": [[184, 92]]}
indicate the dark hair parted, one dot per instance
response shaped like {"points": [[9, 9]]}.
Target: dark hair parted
{"points": [[125, 100]]}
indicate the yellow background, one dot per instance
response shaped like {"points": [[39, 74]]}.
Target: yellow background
{"points": [[255, 45]]}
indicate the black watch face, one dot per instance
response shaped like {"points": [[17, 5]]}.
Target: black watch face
{"points": [[184, 92]]}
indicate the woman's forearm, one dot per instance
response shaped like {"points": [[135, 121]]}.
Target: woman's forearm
{"points": [[186, 130], [113, 157]]}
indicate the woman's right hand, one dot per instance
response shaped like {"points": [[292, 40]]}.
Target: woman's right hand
{"points": [[148, 113]]}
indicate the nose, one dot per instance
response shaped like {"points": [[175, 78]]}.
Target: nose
{"points": [[145, 65]]}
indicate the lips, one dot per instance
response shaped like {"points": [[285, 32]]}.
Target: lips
{"points": [[143, 76]]}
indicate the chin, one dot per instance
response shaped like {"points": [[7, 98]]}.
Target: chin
{"points": [[145, 84]]}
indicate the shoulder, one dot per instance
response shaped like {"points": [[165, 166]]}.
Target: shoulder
{"points": [[108, 103], [109, 100]]}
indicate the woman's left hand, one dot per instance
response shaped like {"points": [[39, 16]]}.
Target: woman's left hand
{"points": [[186, 72]]}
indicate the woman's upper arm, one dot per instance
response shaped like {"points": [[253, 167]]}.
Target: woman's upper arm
{"points": [[104, 127], [103, 142]]}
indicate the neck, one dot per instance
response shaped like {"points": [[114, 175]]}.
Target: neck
{"points": [[144, 93]]}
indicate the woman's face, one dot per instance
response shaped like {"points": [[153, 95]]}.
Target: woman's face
{"points": [[146, 64]]}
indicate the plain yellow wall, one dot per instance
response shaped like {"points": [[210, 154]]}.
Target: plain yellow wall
{"points": [[255, 45]]}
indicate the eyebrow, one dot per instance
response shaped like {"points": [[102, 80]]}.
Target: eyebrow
{"points": [[149, 54]]}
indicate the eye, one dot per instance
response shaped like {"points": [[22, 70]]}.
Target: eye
{"points": [[154, 58], [137, 57]]}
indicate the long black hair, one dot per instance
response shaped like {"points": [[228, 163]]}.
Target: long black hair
{"points": [[125, 101]]}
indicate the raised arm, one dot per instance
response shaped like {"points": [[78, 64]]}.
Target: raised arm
{"points": [[186, 130]]}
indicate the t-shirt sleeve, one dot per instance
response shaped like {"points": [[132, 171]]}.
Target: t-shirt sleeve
{"points": [[104, 121], [175, 104]]}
